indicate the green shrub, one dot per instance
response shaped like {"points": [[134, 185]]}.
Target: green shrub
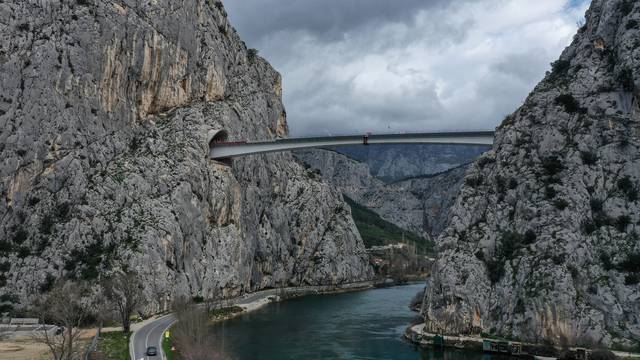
{"points": [[625, 78], [513, 183], [20, 236], [520, 308], [589, 227], [631, 279], [198, 299], [569, 103], [549, 192], [88, 260], [500, 185], [573, 271], [46, 225], [473, 181], [632, 24], [5, 247], [601, 220], [552, 165], [252, 54], [589, 158], [23, 252], [495, 269], [628, 189], [529, 237], [558, 259], [596, 205], [605, 259], [622, 222], [626, 7], [559, 68], [561, 204], [484, 161], [631, 263]]}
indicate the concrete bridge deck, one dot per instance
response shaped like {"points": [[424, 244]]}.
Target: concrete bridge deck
{"points": [[222, 149]]}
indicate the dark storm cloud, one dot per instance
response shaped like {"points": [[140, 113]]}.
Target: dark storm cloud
{"points": [[328, 20], [351, 66]]}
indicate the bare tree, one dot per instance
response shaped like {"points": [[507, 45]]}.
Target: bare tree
{"points": [[191, 333], [124, 292], [67, 307]]}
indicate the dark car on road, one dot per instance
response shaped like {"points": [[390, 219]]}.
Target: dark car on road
{"points": [[152, 351]]}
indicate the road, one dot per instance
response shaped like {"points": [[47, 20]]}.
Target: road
{"points": [[150, 335]]}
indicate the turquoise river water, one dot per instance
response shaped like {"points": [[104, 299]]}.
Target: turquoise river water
{"points": [[359, 325]]}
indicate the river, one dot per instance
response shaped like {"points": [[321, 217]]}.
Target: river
{"points": [[358, 325]]}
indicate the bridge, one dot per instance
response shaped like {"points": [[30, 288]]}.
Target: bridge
{"points": [[223, 150]]}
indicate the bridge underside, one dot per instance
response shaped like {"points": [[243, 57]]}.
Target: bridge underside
{"points": [[226, 150]]}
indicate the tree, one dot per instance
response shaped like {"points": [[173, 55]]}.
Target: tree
{"points": [[67, 306], [124, 293], [191, 333]]}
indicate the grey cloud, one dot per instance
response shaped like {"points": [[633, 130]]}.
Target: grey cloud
{"points": [[319, 47], [329, 20]]}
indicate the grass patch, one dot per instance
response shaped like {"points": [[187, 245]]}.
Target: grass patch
{"points": [[376, 231], [113, 346], [222, 312], [167, 344]]}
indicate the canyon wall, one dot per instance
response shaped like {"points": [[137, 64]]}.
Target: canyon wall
{"points": [[107, 109], [542, 242]]}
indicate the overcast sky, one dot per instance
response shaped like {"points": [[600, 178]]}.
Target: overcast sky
{"points": [[352, 66]]}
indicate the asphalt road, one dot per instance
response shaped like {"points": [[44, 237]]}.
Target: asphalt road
{"points": [[150, 335]]}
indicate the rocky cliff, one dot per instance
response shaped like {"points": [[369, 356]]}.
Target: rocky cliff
{"points": [[419, 204], [396, 162], [106, 111], [542, 242]]}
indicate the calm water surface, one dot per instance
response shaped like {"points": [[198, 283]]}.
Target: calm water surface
{"points": [[358, 325]]}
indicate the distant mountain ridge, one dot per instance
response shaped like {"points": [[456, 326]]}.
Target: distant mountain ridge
{"points": [[394, 162]]}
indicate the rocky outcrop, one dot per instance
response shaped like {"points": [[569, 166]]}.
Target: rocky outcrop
{"points": [[107, 109], [419, 204], [542, 241]]}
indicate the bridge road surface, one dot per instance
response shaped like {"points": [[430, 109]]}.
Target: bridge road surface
{"points": [[224, 150], [150, 335]]}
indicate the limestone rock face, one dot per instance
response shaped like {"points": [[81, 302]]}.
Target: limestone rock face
{"points": [[541, 240], [394, 162], [419, 204], [106, 111]]}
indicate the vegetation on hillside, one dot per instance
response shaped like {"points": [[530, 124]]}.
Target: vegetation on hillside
{"points": [[375, 231], [113, 346]]}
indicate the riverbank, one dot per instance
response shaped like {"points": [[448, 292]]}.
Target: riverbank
{"points": [[365, 324], [256, 300], [232, 308], [417, 335]]}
